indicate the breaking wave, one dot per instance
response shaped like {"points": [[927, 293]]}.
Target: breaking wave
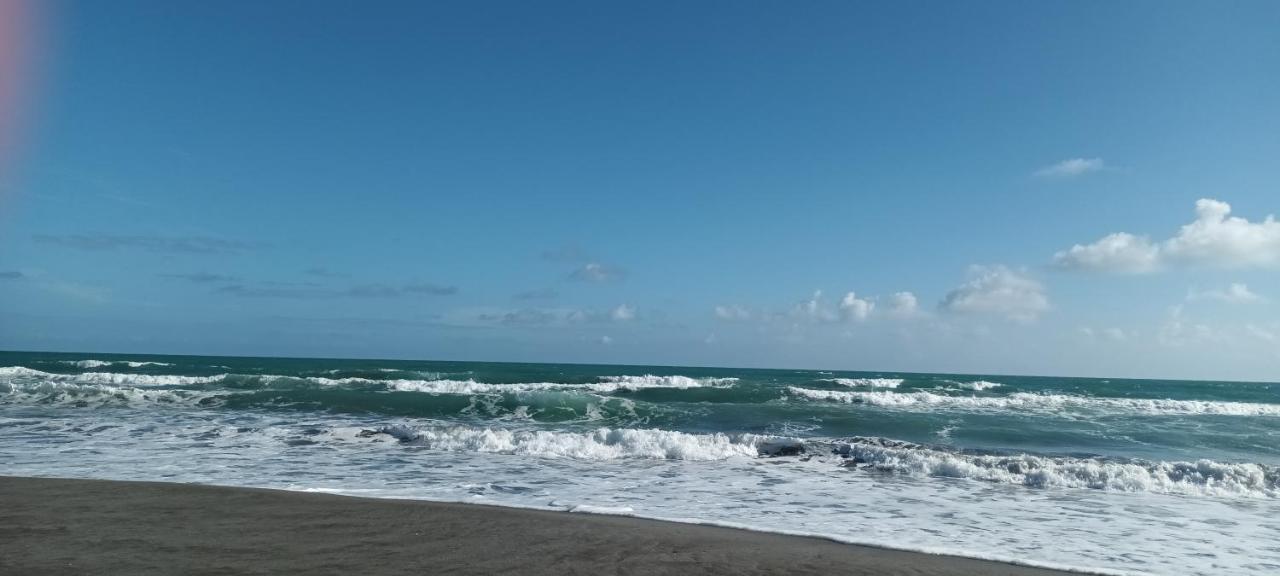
{"points": [[1199, 478], [866, 382], [101, 363], [1038, 402], [600, 444]]}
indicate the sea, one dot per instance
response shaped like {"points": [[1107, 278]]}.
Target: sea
{"points": [[1095, 475]]}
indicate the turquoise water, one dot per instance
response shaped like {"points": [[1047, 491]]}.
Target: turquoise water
{"points": [[1176, 476]]}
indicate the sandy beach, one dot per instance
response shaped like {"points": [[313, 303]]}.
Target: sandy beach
{"points": [[57, 526]]}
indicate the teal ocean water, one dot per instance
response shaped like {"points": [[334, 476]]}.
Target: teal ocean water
{"points": [[1125, 476]]}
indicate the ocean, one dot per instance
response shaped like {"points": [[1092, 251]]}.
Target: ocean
{"points": [[1104, 475]]}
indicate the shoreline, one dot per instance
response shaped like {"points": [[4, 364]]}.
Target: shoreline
{"points": [[61, 526]]}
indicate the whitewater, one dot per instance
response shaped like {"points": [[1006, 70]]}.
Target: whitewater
{"points": [[1111, 476]]}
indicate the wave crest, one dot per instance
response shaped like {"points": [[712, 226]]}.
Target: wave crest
{"points": [[1039, 403]]}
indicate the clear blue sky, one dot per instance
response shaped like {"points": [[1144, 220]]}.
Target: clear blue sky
{"points": [[647, 182]]}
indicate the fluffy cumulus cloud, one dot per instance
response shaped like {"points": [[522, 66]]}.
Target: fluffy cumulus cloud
{"points": [[1214, 238], [998, 290], [1219, 239], [1071, 167], [854, 308], [1120, 252]]}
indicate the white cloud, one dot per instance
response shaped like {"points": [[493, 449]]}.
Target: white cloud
{"points": [[732, 313], [1236, 293], [854, 308], [1214, 239], [1000, 291], [814, 309], [596, 272], [1071, 167], [623, 313], [903, 305], [1120, 252], [1217, 239]]}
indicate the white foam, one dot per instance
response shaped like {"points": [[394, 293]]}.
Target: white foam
{"points": [[677, 381], [600, 444], [978, 385], [608, 384], [8, 373], [101, 363], [1038, 402], [78, 393], [866, 382], [1200, 478]]}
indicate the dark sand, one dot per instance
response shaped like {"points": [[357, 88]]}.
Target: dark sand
{"points": [[50, 526]]}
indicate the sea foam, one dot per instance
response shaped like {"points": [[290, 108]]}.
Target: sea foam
{"points": [[866, 382], [1199, 478], [1038, 402]]}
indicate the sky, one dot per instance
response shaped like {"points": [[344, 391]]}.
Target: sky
{"points": [[1059, 188]]}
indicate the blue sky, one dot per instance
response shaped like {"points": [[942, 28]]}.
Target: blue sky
{"points": [[659, 183]]}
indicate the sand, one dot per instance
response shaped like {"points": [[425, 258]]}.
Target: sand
{"points": [[56, 526]]}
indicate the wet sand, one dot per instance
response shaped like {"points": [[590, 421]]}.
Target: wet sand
{"points": [[55, 526]]}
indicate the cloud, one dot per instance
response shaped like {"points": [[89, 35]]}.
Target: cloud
{"points": [[1178, 331], [1213, 239], [1261, 333], [903, 305], [1071, 167], [178, 244], [1000, 291], [1236, 293], [322, 272], [854, 308], [306, 290], [606, 340], [623, 313], [524, 317], [430, 289], [1120, 252], [597, 272], [544, 294], [11, 275], [732, 312], [557, 316], [202, 277], [1114, 334], [814, 309]]}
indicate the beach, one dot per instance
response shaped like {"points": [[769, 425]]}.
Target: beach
{"points": [[61, 526]]}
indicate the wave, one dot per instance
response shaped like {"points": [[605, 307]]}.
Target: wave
{"points": [[108, 378], [1038, 402], [978, 385], [866, 382], [1200, 478], [600, 444], [81, 394], [607, 384], [101, 363]]}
